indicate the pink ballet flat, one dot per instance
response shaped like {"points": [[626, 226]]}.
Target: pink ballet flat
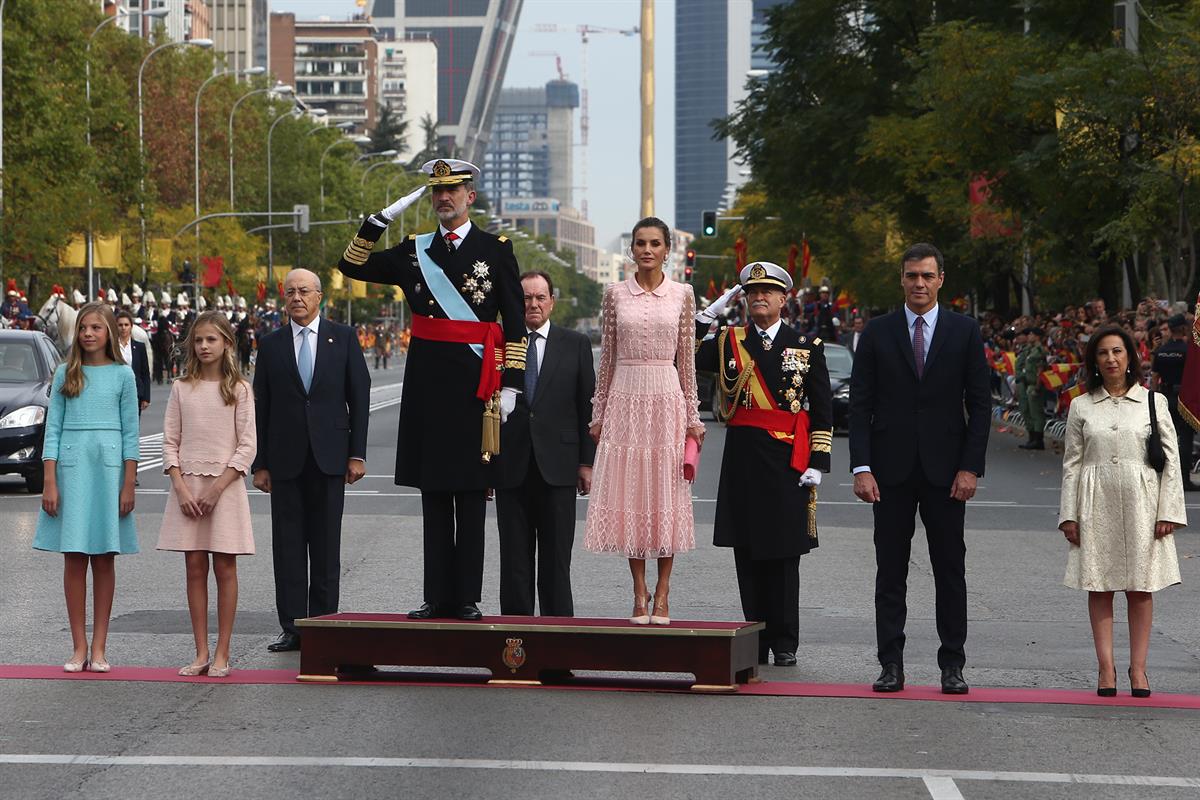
{"points": [[192, 670], [75, 666], [97, 666]]}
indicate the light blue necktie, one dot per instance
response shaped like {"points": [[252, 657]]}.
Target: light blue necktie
{"points": [[304, 360]]}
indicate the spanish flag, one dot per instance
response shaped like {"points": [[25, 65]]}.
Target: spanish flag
{"points": [[1064, 399], [1057, 376], [1005, 362], [1189, 390]]}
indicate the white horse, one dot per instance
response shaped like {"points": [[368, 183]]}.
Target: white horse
{"points": [[58, 321]]}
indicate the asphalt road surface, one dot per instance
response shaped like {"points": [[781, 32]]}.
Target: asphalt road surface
{"points": [[74, 739]]}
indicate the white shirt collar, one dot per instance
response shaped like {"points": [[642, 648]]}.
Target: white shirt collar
{"points": [[313, 326], [542, 331], [461, 231], [772, 331], [930, 316]]}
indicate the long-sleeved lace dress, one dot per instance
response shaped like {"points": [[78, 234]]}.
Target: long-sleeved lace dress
{"points": [[641, 506]]}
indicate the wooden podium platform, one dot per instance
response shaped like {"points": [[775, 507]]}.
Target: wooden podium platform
{"points": [[720, 655]]}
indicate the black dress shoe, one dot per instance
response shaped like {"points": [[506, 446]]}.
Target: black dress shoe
{"points": [[891, 679], [785, 659], [285, 643], [426, 611], [952, 681], [469, 612]]}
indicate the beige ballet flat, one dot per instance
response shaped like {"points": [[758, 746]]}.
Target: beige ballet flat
{"points": [[219, 672], [192, 670], [75, 666], [97, 666]]}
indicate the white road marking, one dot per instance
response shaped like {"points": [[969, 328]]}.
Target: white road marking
{"points": [[933, 778], [942, 788]]}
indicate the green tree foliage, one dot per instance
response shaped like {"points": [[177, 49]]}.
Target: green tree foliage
{"points": [[390, 130], [882, 113]]}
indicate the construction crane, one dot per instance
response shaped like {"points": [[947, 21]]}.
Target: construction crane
{"points": [[562, 76], [584, 32]]}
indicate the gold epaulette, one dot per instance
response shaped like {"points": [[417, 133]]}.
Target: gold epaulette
{"points": [[358, 251], [503, 238], [514, 354], [820, 441], [412, 236]]}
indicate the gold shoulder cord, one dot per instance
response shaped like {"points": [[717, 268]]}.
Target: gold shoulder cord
{"points": [[729, 393], [812, 512]]}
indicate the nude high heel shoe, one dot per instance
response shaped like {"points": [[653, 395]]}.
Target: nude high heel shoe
{"points": [[661, 615], [642, 604]]}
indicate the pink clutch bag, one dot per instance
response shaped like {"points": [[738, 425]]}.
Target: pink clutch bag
{"points": [[691, 459]]}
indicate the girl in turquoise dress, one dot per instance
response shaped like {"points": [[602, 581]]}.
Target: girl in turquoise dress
{"points": [[90, 458]]}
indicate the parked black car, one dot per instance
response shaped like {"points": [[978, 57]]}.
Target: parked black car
{"points": [[838, 359], [27, 362]]}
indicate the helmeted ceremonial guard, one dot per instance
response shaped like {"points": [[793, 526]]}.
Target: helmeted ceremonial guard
{"points": [[776, 400], [462, 375]]}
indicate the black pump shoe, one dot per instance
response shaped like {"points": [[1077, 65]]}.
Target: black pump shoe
{"points": [[1139, 693]]}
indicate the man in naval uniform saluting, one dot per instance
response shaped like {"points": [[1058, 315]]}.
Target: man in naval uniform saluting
{"points": [[776, 399], [462, 376]]}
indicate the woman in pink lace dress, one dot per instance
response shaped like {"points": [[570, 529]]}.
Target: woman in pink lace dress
{"points": [[645, 406]]}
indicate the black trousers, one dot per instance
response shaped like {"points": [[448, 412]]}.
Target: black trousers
{"points": [[306, 543], [453, 531], [536, 521], [770, 590], [1185, 435], [895, 523]]}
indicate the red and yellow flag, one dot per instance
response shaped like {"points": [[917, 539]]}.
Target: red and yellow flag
{"points": [[1056, 376], [1064, 399], [1189, 390], [1005, 361]]}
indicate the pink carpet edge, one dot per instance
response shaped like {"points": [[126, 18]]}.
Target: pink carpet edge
{"points": [[1003, 695]]}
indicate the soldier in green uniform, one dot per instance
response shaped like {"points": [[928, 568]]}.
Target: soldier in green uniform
{"points": [[1169, 359], [1031, 361]]}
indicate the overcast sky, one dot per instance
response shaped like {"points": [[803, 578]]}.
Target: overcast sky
{"points": [[614, 64]]}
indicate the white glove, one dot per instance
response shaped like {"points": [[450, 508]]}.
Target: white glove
{"points": [[810, 477], [508, 401], [394, 210], [714, 309]]}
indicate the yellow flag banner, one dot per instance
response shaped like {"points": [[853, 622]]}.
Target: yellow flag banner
{"points": [[161, 251], [107, 252], [336, 280], [358, 289], [74, 254], [397, 294]]}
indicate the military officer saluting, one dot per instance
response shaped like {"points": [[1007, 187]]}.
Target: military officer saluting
{"points": [[462, 377], [776, 399]]}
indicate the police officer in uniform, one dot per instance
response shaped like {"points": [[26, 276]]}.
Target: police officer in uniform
{"points": [[1030, 363], [462, 376], [776, 399], [1168, 363]]}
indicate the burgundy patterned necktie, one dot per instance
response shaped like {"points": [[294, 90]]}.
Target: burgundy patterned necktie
{"points": [[919, 345], [451, 238]]}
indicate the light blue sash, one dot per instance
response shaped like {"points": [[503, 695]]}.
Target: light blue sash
{"points": [[438, 282]]}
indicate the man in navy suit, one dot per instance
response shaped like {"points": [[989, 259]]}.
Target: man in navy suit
{"points": [[545, 457], [919, 421], [312, 395]]}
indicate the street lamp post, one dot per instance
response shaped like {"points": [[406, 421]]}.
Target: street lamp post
{"points": [[367, 171], [295, 113], [351, 140], [278, 89], [196, 130], [142, 139]]}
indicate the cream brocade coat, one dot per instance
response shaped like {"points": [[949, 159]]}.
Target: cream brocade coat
{"points": [[1116, 497]]}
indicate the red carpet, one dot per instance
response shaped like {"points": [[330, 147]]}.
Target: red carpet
{"points": [[764, 689]]}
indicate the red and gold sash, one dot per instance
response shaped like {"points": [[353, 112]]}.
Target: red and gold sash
{"points": [[763, 412], [488, 334]]}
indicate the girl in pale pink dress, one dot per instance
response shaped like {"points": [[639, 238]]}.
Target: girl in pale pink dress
{"points": [[644, 409], [208, 446]]}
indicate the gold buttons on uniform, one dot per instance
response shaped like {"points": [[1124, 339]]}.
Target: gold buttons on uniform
{"points": [[1114, 459]]}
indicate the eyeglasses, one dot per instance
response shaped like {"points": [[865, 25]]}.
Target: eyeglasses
{"points": [[303, 291]]}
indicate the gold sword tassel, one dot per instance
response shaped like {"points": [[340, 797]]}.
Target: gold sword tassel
{"points": [[490, 445], [812, 512]]}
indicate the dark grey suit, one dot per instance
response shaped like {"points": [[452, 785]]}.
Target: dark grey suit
{"points": [[542, 446]]}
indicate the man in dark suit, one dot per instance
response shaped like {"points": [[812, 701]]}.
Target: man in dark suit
{"points": [[850, 338], [545, 456], [458, 280], [312, 402], [776, 399], [919, 423], [134, 353]]}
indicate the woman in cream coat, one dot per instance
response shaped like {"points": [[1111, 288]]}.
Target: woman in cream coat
{"points": [[1117, 512]]}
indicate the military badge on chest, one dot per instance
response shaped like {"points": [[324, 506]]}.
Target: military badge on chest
{"points": [[794, 366], [478, 283]]}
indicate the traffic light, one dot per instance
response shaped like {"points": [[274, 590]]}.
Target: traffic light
{"points": [[708, 223], [687, 274], [690, 258], [187, 275]]}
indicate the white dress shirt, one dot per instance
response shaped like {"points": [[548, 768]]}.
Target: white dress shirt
{"points": [[127, 351], [772, 331], [312, 339], [461, 231], [540, 344]]}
